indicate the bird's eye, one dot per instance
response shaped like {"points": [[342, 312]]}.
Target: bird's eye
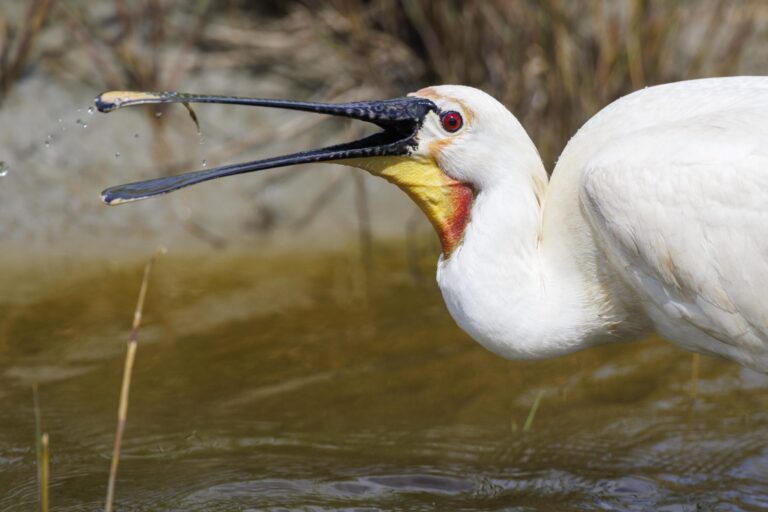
{"points": [[451, 120]]}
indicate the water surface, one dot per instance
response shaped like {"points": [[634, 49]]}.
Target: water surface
{"points": [[303, 383]]}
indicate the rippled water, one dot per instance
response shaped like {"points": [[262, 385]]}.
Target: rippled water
{"points": [[288, 384]]}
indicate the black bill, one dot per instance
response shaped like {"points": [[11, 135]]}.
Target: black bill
{"points": [[400, 120]]}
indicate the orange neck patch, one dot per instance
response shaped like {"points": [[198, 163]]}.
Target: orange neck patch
{"points": [[452, 233]]}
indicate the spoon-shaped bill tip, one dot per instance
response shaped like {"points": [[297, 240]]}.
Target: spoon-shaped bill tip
{"points": [[113, 100]]}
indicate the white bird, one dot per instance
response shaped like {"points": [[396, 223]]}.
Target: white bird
{"points": [[655, 217]]}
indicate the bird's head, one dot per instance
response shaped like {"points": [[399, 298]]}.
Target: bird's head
{"points": [[428, 144]]}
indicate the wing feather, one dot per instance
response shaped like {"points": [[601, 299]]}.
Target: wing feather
{"points": [[681, 212]]}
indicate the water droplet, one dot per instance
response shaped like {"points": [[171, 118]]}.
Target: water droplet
{"points": [[48, 140], [79, 121], [85, 125], [205, 163], [90, 110], [158, 114], [117, 154], [135, 135], [4, 169]]}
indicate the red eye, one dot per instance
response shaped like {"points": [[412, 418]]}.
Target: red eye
{"points": [[452, 121]]}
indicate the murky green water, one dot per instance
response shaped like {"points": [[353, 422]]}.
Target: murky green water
{"points": [[290, 385]]}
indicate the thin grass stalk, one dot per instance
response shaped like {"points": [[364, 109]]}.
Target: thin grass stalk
{"points": [[122, 410], [44, 472], [532, 413]]}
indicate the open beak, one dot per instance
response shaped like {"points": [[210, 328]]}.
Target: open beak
{"points": [[400, 120]]}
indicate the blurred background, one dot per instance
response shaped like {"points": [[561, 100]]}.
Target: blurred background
{"points": [[553, 63], [295, 352]]}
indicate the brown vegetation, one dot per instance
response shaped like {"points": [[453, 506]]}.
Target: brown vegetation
{"points": [[554, 63]]}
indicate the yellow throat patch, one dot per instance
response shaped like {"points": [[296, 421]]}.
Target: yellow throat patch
{"points": [[446, 202]]}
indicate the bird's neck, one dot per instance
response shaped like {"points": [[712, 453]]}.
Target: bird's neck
{"points": [[517, 289]]}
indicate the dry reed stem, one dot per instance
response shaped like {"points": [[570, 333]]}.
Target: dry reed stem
{"points": [[12, 66], [130, 356], [44, 473]]}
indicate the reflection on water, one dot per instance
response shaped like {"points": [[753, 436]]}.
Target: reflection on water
{"points": [[284, 385]]}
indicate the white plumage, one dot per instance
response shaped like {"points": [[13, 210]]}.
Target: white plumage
{"points": [[655, 218]]}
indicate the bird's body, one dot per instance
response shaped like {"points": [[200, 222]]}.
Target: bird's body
{"points": [[655, 217]]}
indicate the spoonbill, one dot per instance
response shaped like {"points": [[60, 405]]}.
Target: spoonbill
{"points": [[655, 218]]}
